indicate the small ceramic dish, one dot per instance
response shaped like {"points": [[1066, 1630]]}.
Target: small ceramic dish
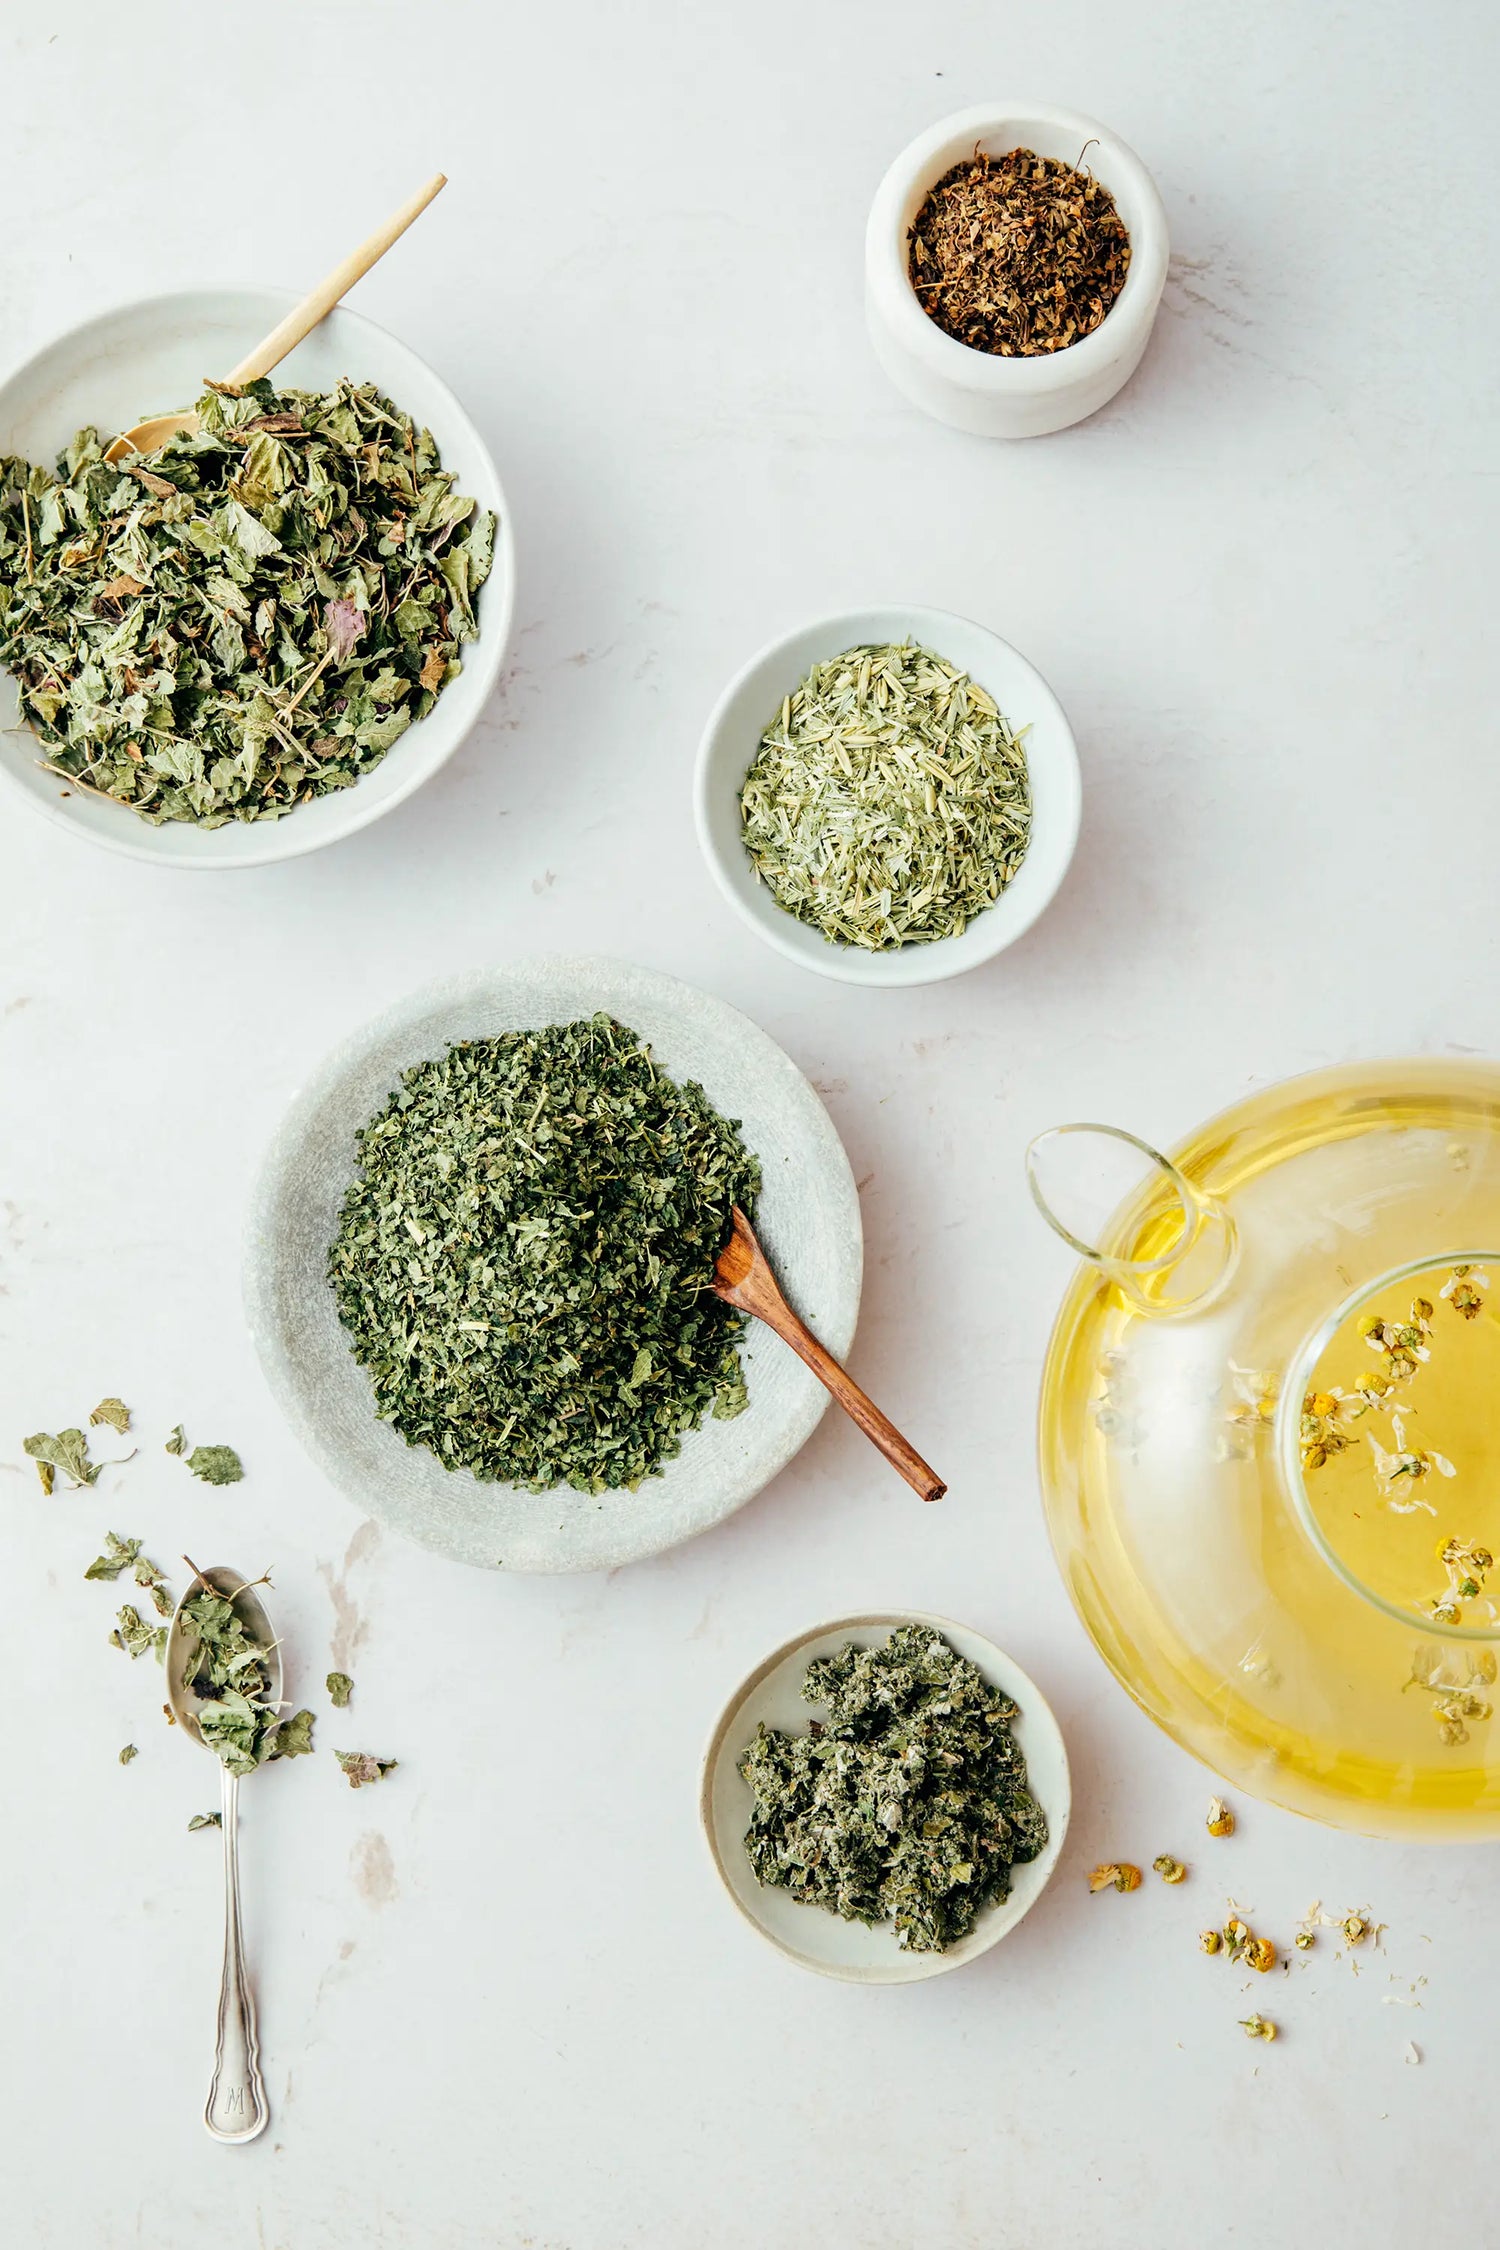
{"points": [[809, 1935], [750, 703], [153, 355], [981, 391], [807, 1218]]}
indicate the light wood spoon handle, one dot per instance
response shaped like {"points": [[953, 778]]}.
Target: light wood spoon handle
{"points": [[319, 302], [743, 1278]]}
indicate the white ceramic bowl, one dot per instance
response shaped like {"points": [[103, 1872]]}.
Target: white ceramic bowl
{"points": [[980, 391], [153, 355], [807, 1218], [750, 703], [809, 1935]]}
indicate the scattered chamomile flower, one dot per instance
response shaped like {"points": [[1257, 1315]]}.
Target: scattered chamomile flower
{"points": [[1220, 1818], [1210, 1941], [1116, 1875], [1170, 1870], [1260, 1954], [1258, 2027]]}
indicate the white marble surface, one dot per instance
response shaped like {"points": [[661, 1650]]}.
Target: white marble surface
{"points": [[502, 2001]]}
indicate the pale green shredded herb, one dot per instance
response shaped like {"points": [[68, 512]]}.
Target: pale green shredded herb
{"points": [[889, 801]]}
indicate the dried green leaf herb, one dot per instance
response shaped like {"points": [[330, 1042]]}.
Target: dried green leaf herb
{"points": [[294, 1737], [360, 1767], [229, 1674], [205, 1820], [1017, 254], [125, 1554], [114, 1411], [216, 1464], [176, 1443], [340, 1688], [525, 1264], [909, 1804], [68, 1451], [130, 1751], [136, 1637], [251, 621], [889, 801]]}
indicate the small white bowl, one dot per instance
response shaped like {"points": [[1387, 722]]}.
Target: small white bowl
{"points": [[981, 391], [810, 1935], [752, 700], [153, 355]]}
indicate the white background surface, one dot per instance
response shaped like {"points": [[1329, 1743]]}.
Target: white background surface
{"points": [[502, 2000]]}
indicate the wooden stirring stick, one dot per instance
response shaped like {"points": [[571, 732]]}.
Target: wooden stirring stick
{"points": [[743, 1278], [288, 334]]}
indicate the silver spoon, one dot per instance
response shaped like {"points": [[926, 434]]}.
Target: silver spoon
{"points": [[236, 2109]]}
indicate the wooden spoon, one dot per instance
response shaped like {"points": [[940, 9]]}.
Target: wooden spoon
{"points": [[743, 1278], [299, 322]]}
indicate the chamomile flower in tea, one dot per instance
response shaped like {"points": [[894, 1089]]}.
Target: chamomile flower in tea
{"points": [[888, 802]]}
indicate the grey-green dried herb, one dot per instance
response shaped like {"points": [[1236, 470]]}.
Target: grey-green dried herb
{"points": [[216, 1464], [113, 1411], [130, 1751], [68, 1451], [205, 1820], [889, 801], [176, 1443], [229, 1675], [251, 620], [908, 1804], [340, 1688], [121, 1555], [360, 1768], [525, 1263]]}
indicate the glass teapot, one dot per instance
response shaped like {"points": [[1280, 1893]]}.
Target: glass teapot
{"points": [[1270, 1436]]}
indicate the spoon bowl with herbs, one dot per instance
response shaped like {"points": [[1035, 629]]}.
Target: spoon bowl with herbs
{"points": [[224, 1684], [888, 796]]}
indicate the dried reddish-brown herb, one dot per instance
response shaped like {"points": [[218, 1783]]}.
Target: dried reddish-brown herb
{"points": [[1018, 254]]}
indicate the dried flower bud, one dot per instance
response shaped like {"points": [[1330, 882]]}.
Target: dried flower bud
{"points": [[1257, 2027], [1260, 1954], [1220, 1818], [1116, 1875], [1209, 1941], [1305, 1941], [1356, 1929], [1170, 1870]]}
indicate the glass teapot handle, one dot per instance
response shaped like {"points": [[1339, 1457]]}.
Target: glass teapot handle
{"points": [[1110, 1195]]}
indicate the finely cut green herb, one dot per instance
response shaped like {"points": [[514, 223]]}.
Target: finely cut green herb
{"points": [[250, 618], [216, 1464], [205, 1820], [525, 1264], [908, 1805], [889, 801], [340, 1688], [176, 1443], [360, 1768], [130, 1751]]}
